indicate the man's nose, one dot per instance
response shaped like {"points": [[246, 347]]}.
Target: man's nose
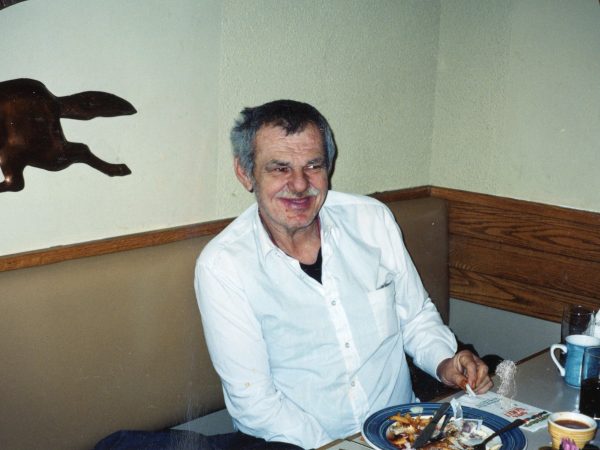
{"points": [[299, 181]]}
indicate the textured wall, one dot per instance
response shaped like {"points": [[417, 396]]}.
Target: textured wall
{"points": [[500, 97], [369, 66], [189, 66], [165, 61], [517, 106]]}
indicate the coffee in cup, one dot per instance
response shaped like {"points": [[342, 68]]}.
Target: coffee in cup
{"points": [[576, 426]]}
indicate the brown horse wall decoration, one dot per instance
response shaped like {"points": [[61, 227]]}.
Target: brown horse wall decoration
{"points": [[31, 133]]}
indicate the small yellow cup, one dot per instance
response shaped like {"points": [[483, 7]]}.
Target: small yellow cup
{"points": [[578, 427]]}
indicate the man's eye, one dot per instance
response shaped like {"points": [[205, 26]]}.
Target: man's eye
{"points": [[314, 167], [279, 169]]}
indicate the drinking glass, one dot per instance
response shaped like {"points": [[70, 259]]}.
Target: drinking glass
{"points": [[576, 319], [589, 396]]}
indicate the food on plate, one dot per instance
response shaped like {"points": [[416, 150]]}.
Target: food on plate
{"points": [[456, 435], [405, 429]]}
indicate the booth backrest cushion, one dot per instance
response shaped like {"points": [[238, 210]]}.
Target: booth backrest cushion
{"points": [[110, 342]]}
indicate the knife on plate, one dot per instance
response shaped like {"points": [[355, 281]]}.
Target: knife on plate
{"points": [[427, 432]]}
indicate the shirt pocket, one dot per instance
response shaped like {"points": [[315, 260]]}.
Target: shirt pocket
{"points": [[382, 303]]}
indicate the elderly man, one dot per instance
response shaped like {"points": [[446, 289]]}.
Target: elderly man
{"points": [[309, 298]]}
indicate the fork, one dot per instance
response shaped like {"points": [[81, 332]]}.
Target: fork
{"points": [[440, 434], [510, 426]]}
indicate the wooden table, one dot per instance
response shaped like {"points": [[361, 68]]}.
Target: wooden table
{"points": [[538, 384]]}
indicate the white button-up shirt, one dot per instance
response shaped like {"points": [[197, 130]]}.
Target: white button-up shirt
{"points": [[304, 362]]}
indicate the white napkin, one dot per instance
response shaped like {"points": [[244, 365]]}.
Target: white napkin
{"points": [[510, 410]]}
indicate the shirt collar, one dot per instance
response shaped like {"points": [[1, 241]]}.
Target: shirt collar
{"points": [[328, 231], [265, 244], [263, 240]]}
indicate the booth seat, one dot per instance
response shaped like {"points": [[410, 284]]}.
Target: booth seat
{"points": [[109, 342]]}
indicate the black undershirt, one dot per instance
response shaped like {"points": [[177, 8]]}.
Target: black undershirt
{"points": [[314, 270]]}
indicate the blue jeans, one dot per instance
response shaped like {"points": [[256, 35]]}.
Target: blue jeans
{"points": [[186, 440]]}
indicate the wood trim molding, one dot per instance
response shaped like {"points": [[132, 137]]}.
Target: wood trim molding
{"points": [[151, 238], [403, 194], [110, 245], [522, 206]]}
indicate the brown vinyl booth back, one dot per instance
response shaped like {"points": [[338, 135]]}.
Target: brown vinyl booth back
{"points": [[98, 344], [424, 225]]}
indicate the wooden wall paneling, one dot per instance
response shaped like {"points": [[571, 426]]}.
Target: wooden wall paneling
{"points": [[521, 256], [548, 234], [507, 295], [521, 298], [526, 265]]}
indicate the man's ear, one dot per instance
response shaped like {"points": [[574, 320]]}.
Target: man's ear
{"points": [[241, 175]]}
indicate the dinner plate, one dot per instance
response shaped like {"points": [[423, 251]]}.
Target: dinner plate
{"points": [[376, 425]]}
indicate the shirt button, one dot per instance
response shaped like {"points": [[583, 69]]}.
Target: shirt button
{"points": [[347, 344], [333, 303], [353, 383]]}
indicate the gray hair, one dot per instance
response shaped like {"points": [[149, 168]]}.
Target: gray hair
{"points": [[290, 115]]}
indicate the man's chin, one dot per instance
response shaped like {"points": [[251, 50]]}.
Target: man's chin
{"points": [[301, 222]]}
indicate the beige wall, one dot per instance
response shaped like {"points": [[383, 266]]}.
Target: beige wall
{"points": [[189, 66], [498, 97], [165, 61], [517, 105], [369, 66]]}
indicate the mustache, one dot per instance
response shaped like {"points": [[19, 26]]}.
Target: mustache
{"points": [[310, 192]]}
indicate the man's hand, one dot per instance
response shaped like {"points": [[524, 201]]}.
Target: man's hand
{"points": [[463, 368]]}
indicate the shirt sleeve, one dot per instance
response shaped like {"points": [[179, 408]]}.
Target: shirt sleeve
{"points": [[426, 338], [240, 357]]}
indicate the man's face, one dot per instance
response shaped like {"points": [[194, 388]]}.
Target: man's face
{"points": [[290, 177]]}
